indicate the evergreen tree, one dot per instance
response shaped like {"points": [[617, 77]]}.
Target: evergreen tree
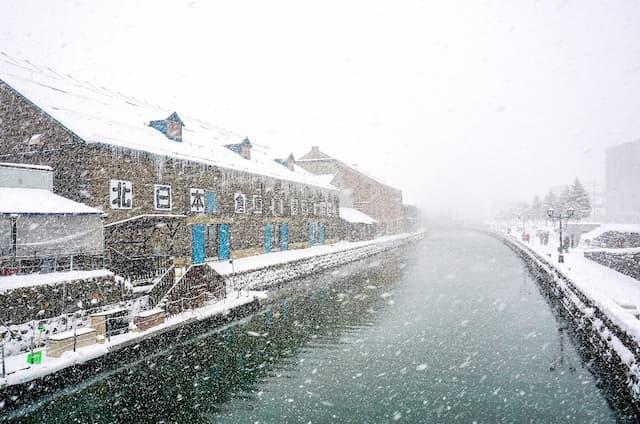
{"points": [[551, 201], [538, 210], [580, 200], [565, 201]]}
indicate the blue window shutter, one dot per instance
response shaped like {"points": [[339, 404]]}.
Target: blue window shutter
{"points": [[210, 203]]}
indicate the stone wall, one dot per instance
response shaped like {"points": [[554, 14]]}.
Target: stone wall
{"points": [[275, 275], [51, 300], [627, 263]]}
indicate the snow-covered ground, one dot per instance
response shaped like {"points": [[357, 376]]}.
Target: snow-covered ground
{"points": [[276, 258], [52, 278], [18, 371]]}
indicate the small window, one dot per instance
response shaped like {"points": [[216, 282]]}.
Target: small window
{"points": [[239, 201], [257, 203]]}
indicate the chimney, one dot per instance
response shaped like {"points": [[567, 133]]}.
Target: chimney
{"points": [[290, 162], [315, 149], [245, 148]]}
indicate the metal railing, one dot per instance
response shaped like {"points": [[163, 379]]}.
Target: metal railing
{"points": [[137, 269], [193, 286], [162, 286], [35, 263]]}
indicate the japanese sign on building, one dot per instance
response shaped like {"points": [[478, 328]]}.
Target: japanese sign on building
{"points": [[304, 210], [120, 194], [162, 197], [294, 206], [196, 200]]}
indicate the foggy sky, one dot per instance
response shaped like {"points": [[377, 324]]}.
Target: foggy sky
{"points": [[461, 104]]}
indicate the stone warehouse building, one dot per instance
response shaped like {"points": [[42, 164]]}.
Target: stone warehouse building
{"points": [[358, 189], [170, 185]]}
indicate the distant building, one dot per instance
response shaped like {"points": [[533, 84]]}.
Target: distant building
{"points": [[622, 167], [358, 189]]}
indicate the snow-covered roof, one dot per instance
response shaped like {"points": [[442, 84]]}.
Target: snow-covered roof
{"points": [[354, 216], [327, 178], [38, 201], [605, 228], [25, 166], [98, 115]]}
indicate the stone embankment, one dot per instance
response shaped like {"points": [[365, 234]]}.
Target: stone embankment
{"points": [[610, 351], [278, 274]]}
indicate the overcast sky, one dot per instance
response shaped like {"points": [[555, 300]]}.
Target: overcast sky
{"points": [[460, 104]]}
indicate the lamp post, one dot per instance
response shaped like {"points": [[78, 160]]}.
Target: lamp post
{"points": [[523, 218], [560, 216]]}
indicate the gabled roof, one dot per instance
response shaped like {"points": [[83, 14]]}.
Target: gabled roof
{"points": [[98, 115], [315, 154]]}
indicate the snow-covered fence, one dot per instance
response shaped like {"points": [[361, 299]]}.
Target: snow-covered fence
{"points": [[21, 337], [625, 261], [275, 275], [610, 341]]}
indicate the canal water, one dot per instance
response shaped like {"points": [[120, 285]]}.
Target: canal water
{"points": [[453, 329]]}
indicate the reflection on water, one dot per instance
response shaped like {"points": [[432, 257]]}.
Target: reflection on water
{"points": [[451, 330]]}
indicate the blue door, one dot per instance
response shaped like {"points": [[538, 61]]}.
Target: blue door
{"points": [[284, 236], [267, 238], [224, 242], [321, 234], [312, 233], [197, 241]]}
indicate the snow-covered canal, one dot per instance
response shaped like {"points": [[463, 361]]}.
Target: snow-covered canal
{"points": [[454, 330]]}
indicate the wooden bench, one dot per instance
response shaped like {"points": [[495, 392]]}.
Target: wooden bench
{"points": [[59, 343]]}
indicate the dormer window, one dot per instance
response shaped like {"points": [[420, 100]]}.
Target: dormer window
{"points": [[170, 127], [289, 162], [243, 149]]}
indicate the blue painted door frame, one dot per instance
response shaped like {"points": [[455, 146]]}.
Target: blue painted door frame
{"points": [[267, 238], [224, 242], [321, 234], [284, 236], [197, 243], [312, 233]]}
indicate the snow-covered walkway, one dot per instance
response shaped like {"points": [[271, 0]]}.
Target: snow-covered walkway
{"points": [[276, 258]]}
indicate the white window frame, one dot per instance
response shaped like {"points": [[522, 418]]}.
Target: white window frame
{"points": [[237, 196], [257, 197]]}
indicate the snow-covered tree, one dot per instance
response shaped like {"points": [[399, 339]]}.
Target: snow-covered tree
{"points": [[579, 200], [538, 210], [551, 201]]}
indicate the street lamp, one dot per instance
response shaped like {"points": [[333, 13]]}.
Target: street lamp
{"points": [[560, 216]]}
